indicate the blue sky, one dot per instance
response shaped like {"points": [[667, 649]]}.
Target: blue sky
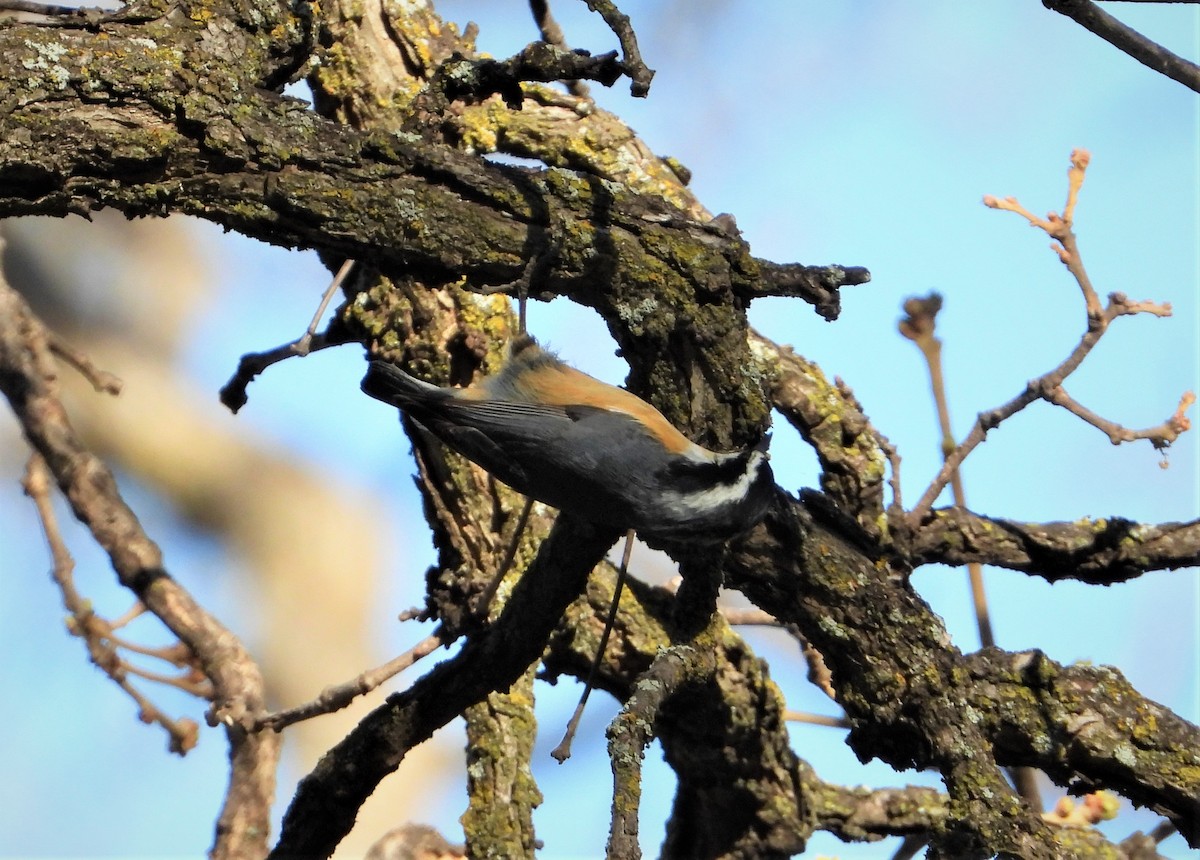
{"points": [[861, 133]]}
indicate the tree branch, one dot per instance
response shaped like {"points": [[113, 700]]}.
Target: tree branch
{"points": [[1101, 552], [327, 800], [830, 419], [265, 166], [1088, 729], [1148, 53], [893, 671], [27, 375]]}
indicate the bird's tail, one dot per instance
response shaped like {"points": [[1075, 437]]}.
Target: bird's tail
{"points": [[393, 386]]}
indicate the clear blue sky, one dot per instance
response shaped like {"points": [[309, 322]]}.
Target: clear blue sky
{"points": [[861, 133]]}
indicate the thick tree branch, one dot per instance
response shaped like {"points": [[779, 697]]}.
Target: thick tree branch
{"points": [[328, 799], [895, 672], [1101, 552], [214, 147], [1088, 729], [501, 731]]}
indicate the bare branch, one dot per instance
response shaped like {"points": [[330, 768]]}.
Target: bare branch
{"points": [[553, 34], [817, 285], [816, 719], [1148, 53], [184, 734], [1045, 387], [1161, 435], [101, 380], [920, 326], [1101, 552], [233, 393], [632, 62], [1059, 228], [26, 374], [338, 696]]}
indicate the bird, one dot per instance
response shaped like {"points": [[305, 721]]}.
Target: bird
{"points": [[566, 439]]}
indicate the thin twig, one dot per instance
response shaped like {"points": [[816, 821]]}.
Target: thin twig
{"points": [[27, 374], [909, 847], [1165, 829], [1060, 228], [562, 752], [132, 613], [816, 719], [749, 618], [340, 695], [1045, 387], [631, 57], [233, 393], [893, 457], [304, 345], [102, 381], [1160, 435], [920, 326], [183, 733]]}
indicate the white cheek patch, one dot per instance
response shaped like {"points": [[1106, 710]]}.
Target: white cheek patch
{"points": [[721, 495]]}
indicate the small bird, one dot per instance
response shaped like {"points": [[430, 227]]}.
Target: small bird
{"points": [[583, 446]]}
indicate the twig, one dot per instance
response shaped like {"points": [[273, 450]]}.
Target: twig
{"points": [[101, 380], [816, 719], [1160, 435], [1165, 829], [1059, 228], [183, 733], [340, 695], [920, 326], [1041, 388], [233, 393], [304, 345], [893, 458], [631, 56], [749, 617], [1150, 54], [26, 378], [562, 752], [909, 846], [484, 601], [553, 34], [132, 613], [1045, 386]]}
